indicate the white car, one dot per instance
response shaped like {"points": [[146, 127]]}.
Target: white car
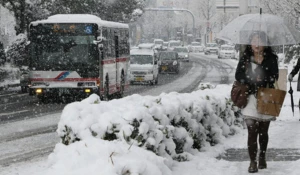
{"points": [[211, 48], [143, 66], [173, 44], [226, 51], [158, 43], [196, 47], [183, 53]]}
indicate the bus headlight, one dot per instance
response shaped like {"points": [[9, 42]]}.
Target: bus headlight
{"points": [[174, 63], [38, 91], [87, 90]]}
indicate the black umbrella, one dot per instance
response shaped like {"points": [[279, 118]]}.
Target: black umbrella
{"points": [[292, 99]]}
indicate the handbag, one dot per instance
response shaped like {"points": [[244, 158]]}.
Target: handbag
{"points": [[269, 101], [239, 94]]}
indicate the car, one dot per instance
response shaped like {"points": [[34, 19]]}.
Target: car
{"points": [[211, 48], [226, 51], [158, 43], [196, 47], [173, 44], [183, 53], [165, 45], [143, 65], [168, 62]]}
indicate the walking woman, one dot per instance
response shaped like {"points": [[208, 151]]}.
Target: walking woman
{"points": [[258, 67]]}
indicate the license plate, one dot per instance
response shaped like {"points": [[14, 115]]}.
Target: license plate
{"points": [[139, 79], [164, 67]]}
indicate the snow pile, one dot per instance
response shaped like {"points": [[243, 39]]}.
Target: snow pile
{"points": [[94, 156], [173, 126]]}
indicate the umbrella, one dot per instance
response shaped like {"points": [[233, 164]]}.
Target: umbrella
{"points": [[238, 31], [292, 100]]}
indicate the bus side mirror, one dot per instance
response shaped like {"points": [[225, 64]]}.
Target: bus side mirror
{"points": [[100, 46]]}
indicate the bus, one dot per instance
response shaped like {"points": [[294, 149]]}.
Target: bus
{"points": [[75, 55]]}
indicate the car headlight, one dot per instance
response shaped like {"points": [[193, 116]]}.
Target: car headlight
{"points": [[174, 63], [150, 72], [186, 56]]}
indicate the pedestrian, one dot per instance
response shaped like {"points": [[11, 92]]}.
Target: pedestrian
{"points": [[293, 73], [257, 67]]}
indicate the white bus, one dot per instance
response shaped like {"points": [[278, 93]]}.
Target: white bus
{"points": [[75, 55]]}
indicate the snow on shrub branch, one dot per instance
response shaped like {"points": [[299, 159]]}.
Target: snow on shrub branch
{"points": [[171, 125]]}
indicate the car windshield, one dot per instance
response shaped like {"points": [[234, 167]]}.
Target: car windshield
{"points": [[167, 56], [158, 42], [174, 44], [211, 45], [141, 59], [178, 49], [227, 48], [196, 44]]}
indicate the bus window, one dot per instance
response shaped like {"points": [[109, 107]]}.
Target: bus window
{"points": [[116, 38]]}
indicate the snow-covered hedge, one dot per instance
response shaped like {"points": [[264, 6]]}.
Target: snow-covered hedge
{"points": [[171, 125]]}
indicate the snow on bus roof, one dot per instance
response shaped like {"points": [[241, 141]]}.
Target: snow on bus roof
{"points": [[79, 18]]}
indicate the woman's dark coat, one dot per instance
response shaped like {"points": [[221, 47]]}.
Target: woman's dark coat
{"points": [[295, 71], [267, 71]]}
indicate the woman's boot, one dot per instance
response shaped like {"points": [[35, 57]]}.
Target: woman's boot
{"points": [[253, 167], [262, 163]]}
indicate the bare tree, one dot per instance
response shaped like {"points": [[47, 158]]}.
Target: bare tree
{"points": [[288, 9]]}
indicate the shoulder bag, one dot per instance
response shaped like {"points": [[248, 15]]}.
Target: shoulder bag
{"points": [[269, 101], [239, 94]]}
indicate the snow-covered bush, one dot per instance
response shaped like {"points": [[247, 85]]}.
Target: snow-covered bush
{"points": [[170, 125], [17, 51], [203, 86]]}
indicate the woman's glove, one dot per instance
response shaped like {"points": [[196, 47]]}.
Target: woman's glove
{"points": [[290, 77]]}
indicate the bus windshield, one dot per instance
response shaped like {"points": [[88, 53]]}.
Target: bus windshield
{"points": [[63, 52]]}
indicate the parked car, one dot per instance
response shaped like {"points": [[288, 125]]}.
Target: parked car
{"points": [[183, 53], [143, 66], [226, 51], [168, 62], [196, 47], [211, 48]]}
